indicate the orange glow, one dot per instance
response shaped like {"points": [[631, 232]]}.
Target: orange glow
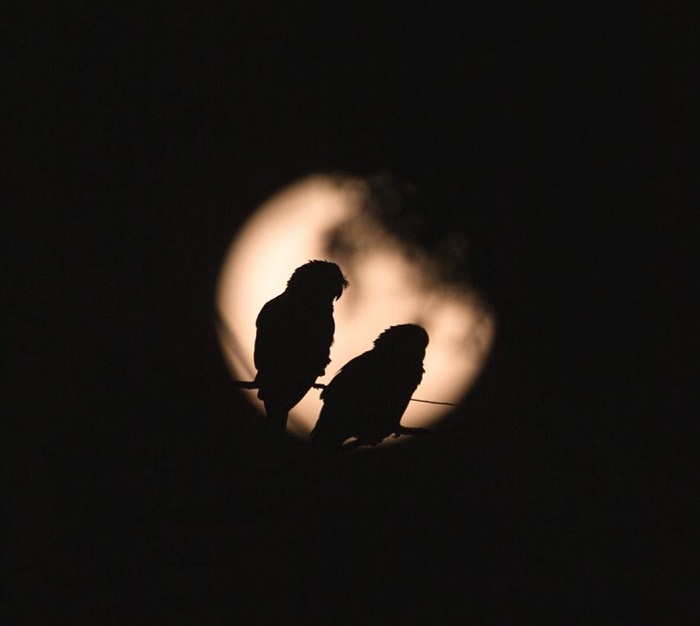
{"points": [[386, 288]]}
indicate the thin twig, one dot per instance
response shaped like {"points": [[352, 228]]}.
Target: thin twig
{"points": [[245, 384], [433, 402]]}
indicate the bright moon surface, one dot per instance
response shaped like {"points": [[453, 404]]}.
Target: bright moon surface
{"points": [[389, 284]]}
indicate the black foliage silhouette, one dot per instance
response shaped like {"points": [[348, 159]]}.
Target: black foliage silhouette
{"points": [[294, 336], [369, 395]]}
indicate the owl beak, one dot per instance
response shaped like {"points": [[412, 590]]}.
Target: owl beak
{"points": [[343, 285]]}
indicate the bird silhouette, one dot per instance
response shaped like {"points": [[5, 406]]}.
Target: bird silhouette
{"points": [[294, 337], [368, 396]]}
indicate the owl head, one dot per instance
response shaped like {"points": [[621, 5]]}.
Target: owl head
{"points": [[321, 279], [409, 339]]}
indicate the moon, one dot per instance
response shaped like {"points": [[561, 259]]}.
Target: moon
{"points": [[392, 281]]}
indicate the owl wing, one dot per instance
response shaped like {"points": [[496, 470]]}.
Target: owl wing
{"points": [[349, 400], [292, 346], [270, 328], [394, 398]]}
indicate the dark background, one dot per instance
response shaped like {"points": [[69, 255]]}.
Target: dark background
{"points": [[142, 489]]}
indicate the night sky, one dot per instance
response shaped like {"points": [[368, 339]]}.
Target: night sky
{"points": [[143, 489]]}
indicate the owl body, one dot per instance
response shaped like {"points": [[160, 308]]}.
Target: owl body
{"points": [[368, 396], [294, 335]]}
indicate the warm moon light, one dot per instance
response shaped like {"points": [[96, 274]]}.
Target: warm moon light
{"points": [[326, 217]]}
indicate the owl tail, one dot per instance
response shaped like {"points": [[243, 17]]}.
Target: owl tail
{"points": [[276, 416]]}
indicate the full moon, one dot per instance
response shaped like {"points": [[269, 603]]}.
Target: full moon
{"points": [[392, 281]]}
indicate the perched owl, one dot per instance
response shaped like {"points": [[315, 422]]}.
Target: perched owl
{"points": [[367, 397], [294, 337]]}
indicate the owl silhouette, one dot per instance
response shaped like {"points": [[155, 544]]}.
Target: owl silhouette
{"points": [[294, 337], [368, 396]]}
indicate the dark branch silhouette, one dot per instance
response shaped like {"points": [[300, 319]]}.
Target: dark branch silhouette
{"points": [[294, 337], [368, 396]]}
